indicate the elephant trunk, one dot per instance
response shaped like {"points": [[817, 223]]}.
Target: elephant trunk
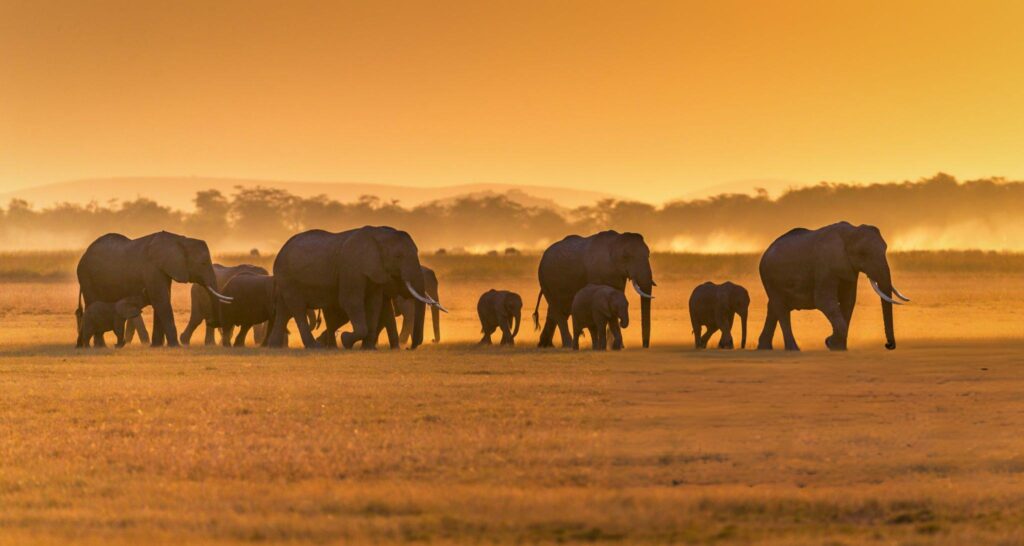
{"points": [[883, 279], [518, 317], [412, 275], [208, 280], [435, 315], [643, 279]]}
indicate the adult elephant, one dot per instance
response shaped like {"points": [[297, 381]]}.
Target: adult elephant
{"points": [[204, 308], [406, 308], [347, 275], [116, 267], [818, 269], [609, 258]]}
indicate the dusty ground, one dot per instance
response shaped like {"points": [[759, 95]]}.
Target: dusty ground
{"points": [[454, 444]]}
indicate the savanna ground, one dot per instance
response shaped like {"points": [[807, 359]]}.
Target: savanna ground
{"points": [[458, 444]]}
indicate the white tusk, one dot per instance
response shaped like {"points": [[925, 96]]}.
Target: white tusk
{"points": [[641, 292], [221, 297], [898, 295], [882, 294], [417, 295]]}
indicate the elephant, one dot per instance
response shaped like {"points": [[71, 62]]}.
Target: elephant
{"points": [[133, 326], [499, 309], [115, 267], [405, 307], [202, 306], [253, 305], [818, 269], [348, 275], [714, 306], [599, 308], [101, 316], [609, 258]]}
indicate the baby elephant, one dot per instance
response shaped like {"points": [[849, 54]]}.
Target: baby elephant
{"points": [[253, 304], [714, 306], [497, 309], [599, 308], [100, 317]]}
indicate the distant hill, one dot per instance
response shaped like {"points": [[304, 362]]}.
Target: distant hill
{"points": [[178, 192], [774, 186]]}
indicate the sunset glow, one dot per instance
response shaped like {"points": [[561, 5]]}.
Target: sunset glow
{"points": [[648, 100]]}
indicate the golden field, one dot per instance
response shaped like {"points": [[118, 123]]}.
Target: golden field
{"points": [[455, 444]]}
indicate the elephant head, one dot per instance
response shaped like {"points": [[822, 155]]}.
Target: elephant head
{"points": [[619, 308], [632, 257], [185, 259], [512, 307], [732, 299], [865, 250], [124, 311], [388, 256]]}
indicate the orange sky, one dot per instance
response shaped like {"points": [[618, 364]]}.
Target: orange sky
{"points": [[646, 99]]}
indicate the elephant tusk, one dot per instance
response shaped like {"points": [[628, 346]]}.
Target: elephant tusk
{"points": [[439, 306], [882, 295], [641, 292], [221, 297], [428, 301], [898, 295]]}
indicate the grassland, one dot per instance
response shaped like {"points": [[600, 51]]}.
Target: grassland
{"points": [[452, 444]]}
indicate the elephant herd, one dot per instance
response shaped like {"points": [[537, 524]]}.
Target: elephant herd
{"points": [[368, 277]]}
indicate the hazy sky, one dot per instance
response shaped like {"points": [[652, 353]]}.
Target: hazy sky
{"points": [[646, 99]]}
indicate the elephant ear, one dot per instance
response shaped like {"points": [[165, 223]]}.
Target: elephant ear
{"points": [[362, 254], [168, 254], [127, 310]]}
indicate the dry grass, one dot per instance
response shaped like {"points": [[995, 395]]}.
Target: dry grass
{"points": [[454, 444]]}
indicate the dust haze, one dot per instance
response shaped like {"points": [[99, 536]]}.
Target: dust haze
{"points": [[937, 213]]}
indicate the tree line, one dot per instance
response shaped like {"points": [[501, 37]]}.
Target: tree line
{"points": [[933, 213]]}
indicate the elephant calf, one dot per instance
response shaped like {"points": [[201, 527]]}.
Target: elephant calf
{"points": [[497, 309], [253, 304], [599, 308], [713, 306], [100, 317]]}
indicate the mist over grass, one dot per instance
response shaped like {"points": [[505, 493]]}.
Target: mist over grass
{"points": [[936, 213]]}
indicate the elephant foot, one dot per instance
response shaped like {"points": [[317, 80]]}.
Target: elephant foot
{"points": [[835, 344], [184, 340], [890, 346], [348, 340]]}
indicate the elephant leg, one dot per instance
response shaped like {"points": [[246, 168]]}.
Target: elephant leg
{"points": [[407, 308], [563, 330], [764, 341], [243, 331], [486, 340], [613, 325], [163, 324], [226, 333], [576, 333], [259, 332], [828, 303], [707, 335], [548, 333], [387, 320], [139, 325], [296, 308], [726, 340], [278, 327], [695, 324], [194, 320], [847, 301], [210, 338], [97, 340], [129, 330], [333, 319], [374, 313], [353, 302], [787, 329], [595, 338], [506, 332]]}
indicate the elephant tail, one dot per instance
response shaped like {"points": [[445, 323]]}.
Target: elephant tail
{"points": [[536, 311], [81, 304]]}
